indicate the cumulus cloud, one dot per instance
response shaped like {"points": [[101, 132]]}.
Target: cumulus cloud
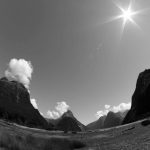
{"points": [[53, 114], [34, 103], [41, 113], [60, 109], [120, 108], [107, 106], [19, 70], [101, 113]]}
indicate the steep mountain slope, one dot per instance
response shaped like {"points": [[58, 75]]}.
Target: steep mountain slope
{"points": [[110, 120], [140, 107], [67, 122], [98, 124], [15, 105]]}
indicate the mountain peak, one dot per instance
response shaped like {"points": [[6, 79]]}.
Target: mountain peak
{"points": [[68, 113]]}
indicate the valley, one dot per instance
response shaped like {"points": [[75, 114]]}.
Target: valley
{"points": [[133, 136]]}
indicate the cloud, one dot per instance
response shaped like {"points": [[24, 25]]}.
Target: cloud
{"points": [[41, 113], [101, 113], [19, 70], [120, 108], [53, 114], [107, 106], [60, 109], [34, 103]]}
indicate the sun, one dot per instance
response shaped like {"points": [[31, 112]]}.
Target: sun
{"points": [[126, 14]]}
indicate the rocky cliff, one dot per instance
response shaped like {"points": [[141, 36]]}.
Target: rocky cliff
{"points": [[140, 107], [15, 105]]}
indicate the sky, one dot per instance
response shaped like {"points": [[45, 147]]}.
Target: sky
{"points": [[79, 58]]}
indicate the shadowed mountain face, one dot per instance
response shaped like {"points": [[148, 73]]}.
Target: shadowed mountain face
{"points": [[15, 105], [98, 124], [140, 107], [67, 122], [111, 120]]}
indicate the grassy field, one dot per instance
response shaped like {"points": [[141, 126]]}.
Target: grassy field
{"points": [[128, 137]]}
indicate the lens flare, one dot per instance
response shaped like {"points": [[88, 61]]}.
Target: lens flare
{"points": [[127, 15]]}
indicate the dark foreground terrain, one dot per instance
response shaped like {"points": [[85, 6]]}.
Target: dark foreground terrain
{"points": [[134, 136]]}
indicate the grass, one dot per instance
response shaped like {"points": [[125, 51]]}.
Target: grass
{"points": [[12, 140], [133, 136]]}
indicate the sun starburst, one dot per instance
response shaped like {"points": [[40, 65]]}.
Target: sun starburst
{"points": [[127, 15]]}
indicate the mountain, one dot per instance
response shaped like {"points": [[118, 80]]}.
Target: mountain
{"points": [[15, 105], [98, 124], [113, 119], [110, 120], [140, 107], [67, 122]]}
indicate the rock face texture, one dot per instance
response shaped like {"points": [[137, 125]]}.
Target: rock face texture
{"points": [[140, 107], [67, 122], [15, 105]]}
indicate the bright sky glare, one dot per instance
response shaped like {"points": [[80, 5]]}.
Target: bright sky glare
{"points": [[127, 15]]}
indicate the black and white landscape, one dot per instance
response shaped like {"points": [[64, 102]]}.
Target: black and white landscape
{"points": [[23, 127], [74, 75]]}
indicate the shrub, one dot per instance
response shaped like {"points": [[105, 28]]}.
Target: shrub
{"points": [[62, 144], [77, 144], [74, 132], [145, 123]]}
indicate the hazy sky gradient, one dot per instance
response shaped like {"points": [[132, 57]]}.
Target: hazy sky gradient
{"points": [[76, 58]]}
